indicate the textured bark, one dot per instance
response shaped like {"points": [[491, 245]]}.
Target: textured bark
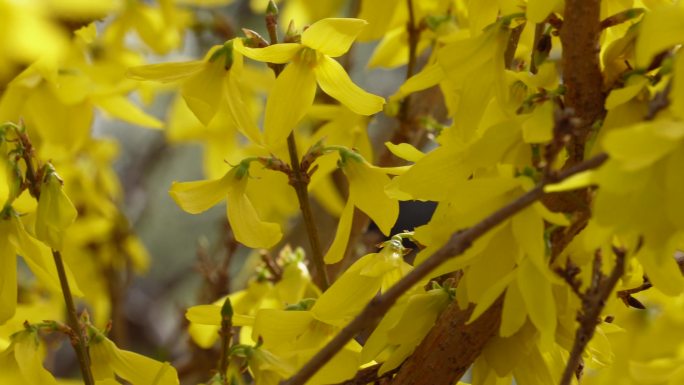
{"points": [[450, 348], [581, 70]]}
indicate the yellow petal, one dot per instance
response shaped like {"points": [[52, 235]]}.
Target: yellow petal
{"points": [[420, 315], [429, 76], [381, 16], [39, 258], [579, 180], [248, 228], [551, 217], [392, 51], [121, 108], [332, 36], [663, 272], [659, 30], [341, 367], [656, 371], [642, 144], [623, 95], [140, 370], [294, 283], [405, 151], [513, 315], [281, 327], [29, 359], [539, 10], [204, 3], [166, 72], [539, 127], [339, 246], [367, 191], [211, 315], [8, 274], [100, 356], [677, 95], [674, 188], [10, 373], [491, 294], [537, 294], [239, 110], [346, 298], [278, 53], [54, 214], [528, 229], [198, 196], [291, 96], [203, 91], [335, 82]]}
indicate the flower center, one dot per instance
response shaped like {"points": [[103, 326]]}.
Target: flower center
{"points": [[307, 56]]}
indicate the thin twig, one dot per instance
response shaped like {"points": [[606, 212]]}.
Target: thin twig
{"points": [[512, 45], [593, 302], [300, 181], [457, 244], [538, 32], [271, 265], [81, 346]]}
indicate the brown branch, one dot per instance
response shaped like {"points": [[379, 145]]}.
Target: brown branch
{"points": [[457, 244], [582, 77], [593, 302], [451, 337]]}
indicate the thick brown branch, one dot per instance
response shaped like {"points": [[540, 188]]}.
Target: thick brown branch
{"points": [[457, 244], [581, 70], [451, 346]]}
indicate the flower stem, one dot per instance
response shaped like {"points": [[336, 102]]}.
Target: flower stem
{"points": [[299, 178], [300, 181], [80, 345]]}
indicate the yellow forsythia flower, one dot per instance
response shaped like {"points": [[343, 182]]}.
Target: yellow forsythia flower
{"points": [[107, 360], [360, 283], [198, 196], [311, 62], [22, 363], [208, 86], [367, 192]]}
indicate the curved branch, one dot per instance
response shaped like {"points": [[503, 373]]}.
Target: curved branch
{"points": [[457, 245]]}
